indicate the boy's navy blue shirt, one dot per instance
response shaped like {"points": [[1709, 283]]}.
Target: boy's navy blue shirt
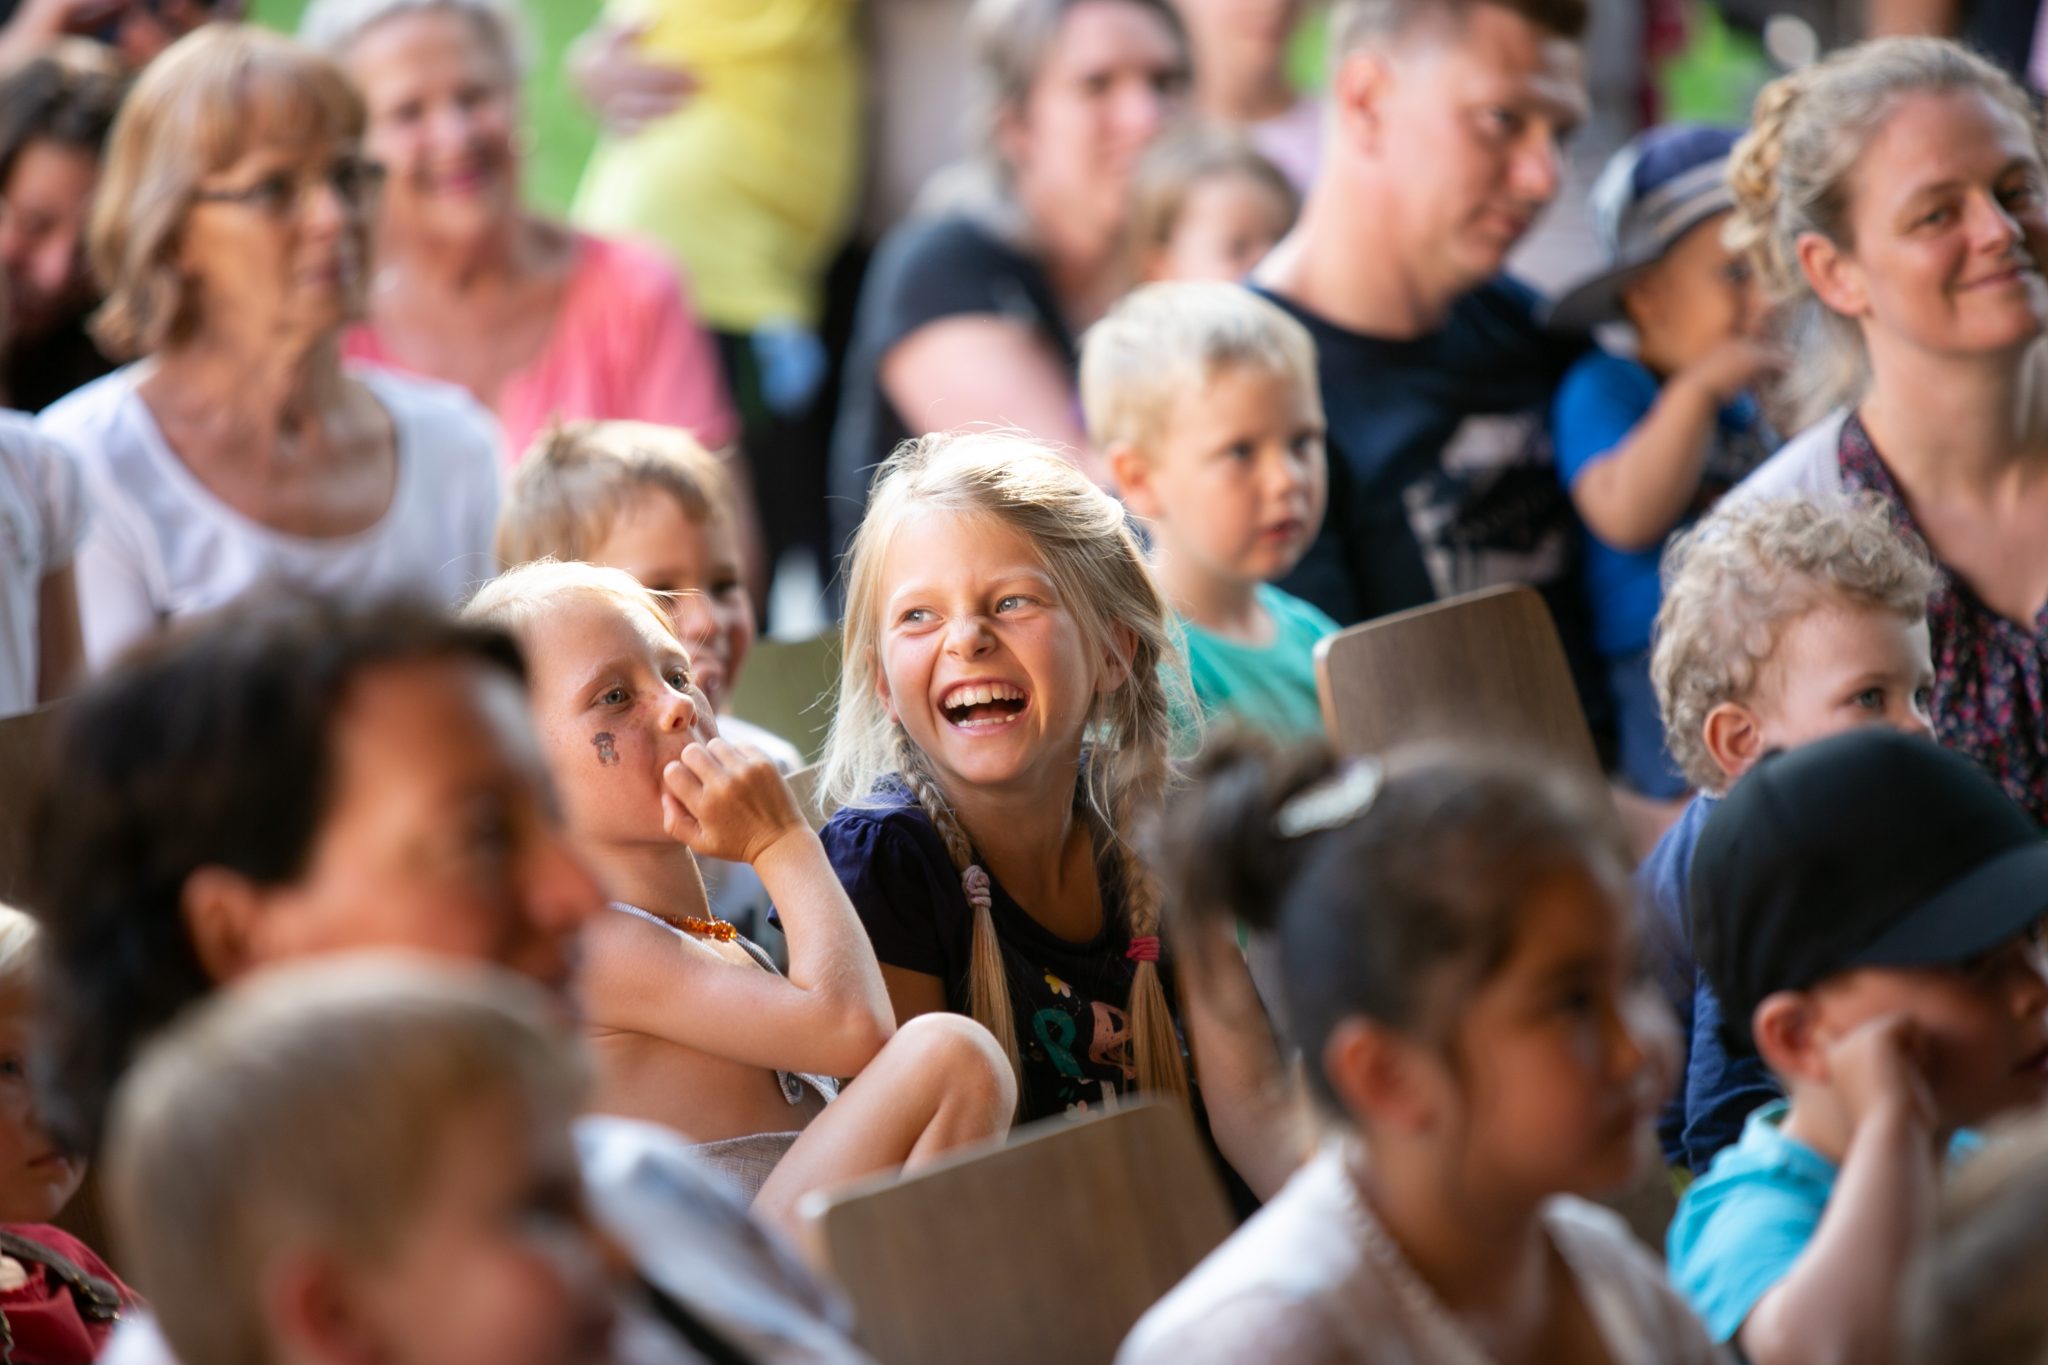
{"points": [[1394, 408], [1719, 1090]]}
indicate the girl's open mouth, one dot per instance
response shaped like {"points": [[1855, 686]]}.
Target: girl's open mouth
{"points": [[982, 706]]}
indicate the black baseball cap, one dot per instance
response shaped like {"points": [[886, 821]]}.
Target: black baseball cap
{"points": [[1868, 849]]}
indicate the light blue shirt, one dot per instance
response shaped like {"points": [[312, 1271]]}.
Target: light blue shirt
{"points": [[1740, 1226]]}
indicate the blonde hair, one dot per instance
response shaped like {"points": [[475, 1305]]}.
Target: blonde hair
{"points": [[309, 1109], [1172, 167], [1791, 175], [517, 598], [1102, 582], [214, 95], [1162, 343], [20, 948], [1732, 584], [577, 477]]}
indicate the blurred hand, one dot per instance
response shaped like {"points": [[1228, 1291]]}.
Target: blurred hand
{"points": [[723, 801], [625, 90], [1879, 1064], [1733, 368]]}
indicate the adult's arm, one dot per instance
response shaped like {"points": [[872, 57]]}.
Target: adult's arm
{"points": [[981, 369]]}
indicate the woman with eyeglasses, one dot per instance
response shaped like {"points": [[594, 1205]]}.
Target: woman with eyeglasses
{"points": [[538, 321], [231, 234]]}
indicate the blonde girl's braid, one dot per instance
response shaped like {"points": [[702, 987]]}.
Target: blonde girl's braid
{"points": [[1137, 769], [988, 984]]}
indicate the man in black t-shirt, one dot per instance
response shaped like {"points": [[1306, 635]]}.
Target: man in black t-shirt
{"points": [[1443, 147]]}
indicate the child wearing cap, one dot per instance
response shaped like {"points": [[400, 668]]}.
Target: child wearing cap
{"points": [[1645, 443], [1868, 909], [1783, 622]]}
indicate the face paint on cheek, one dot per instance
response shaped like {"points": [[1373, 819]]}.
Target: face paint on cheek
{"points": [[607, 752]]}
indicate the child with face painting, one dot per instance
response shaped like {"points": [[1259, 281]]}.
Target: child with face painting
{"points": [[690, 1023], [1457, 964]]}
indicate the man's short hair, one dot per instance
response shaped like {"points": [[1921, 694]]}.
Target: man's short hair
{"points": [[1366, 23]]}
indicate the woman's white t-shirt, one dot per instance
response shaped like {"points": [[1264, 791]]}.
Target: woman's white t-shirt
{"points": [[1313, 1279], [162, 546], [42, 516]]}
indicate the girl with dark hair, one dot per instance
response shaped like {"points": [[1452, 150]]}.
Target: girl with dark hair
{"points": [[1456, 966]]}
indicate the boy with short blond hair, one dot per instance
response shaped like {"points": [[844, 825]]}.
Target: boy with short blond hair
{"points": [[650, 500], [1203, 399], [365, 1157], [1782, 622]]}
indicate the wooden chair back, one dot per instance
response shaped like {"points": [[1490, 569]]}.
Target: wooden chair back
{"points": [[1048, 1248], [1486, 668]]}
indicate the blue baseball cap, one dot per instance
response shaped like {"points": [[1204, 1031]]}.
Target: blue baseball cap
{"points": [[1663, 184]]}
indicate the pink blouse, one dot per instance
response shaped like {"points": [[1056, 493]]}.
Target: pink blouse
{"points": [[624, 346]]}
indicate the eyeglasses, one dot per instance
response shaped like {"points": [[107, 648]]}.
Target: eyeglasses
{"points": [[286, 193]]}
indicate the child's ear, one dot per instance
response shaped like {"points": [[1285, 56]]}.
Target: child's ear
{"points": [[1133, 475], [882, 691], [1734, 737], [1358, 89], [222, 910], [1382, 1077], [309, 1311], [1834, 275], [1116, 664], [1786, 1027]]}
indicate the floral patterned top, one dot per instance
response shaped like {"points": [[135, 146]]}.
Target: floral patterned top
{"points": [[1990, 673]]}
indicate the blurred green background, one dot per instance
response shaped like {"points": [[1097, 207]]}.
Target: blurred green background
{"points": [[557, 162]]}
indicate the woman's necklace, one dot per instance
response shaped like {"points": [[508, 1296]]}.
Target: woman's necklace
{"points": [[711, 927]]}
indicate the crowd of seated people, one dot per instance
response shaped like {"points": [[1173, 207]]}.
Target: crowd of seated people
{"points": [[420, 959]]}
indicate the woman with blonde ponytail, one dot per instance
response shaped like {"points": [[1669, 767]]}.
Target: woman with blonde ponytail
{"points": [[1001, 737], [1894, 200]]}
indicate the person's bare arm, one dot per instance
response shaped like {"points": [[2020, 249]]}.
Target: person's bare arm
{"points": [[60, 643], [982, 369], [1836, 1305], [1632, 496], [1907, 18], [625, 90], [830, 1014], [1257, 1113]]}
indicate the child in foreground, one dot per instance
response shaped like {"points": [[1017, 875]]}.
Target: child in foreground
{"points": [[1869, 909], [1203, 399], [1457, 961], [1783, 622], [1645, 443], [691, 1024], [363, 1159]]}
